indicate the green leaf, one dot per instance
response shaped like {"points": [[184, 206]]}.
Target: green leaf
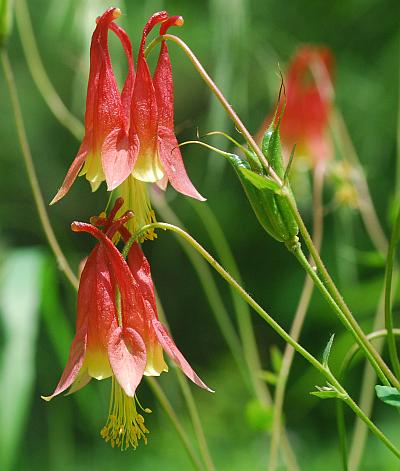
{"points": [[327, 392], [261, 182], [19, 308], [327, 351], [388, 395]]}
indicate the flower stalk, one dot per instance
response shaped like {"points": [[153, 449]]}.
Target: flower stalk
{"points": [[30, 169], [324, 370]]}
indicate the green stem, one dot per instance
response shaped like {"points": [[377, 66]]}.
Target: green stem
{"points": [[224, 252], [30, 169], [250, 350], [168, 409], [298, 321], [352, 323], [39, 74], [356, 348], [341, 426], [195, 418], [211, 291], [220, 97], [365, 203], [298, 253], [394, 358], [270, 321], [341, 307], [351, 459], [190, 403]]}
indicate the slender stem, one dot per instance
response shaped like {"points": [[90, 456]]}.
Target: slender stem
{"points": [[351, 460], [197, 426], [356, 348], [190, 403], [366, 206], [220, 97], [230, 280], [225, 254], [211, 291], [332, 303], [298, 321], [343, 310], [397, 186], [394, 358], [39, 74], [250, 350], [265, 316], [352, 323], [168, 409], [341, 426], [27, 156]]}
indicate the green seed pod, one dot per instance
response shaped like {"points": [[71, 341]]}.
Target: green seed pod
{"points": [[272, 149], [260, 190]]}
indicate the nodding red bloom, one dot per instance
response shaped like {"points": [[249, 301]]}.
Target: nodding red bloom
{"points": [[106, 153], [118, 333], [309, 96], [129, 134], [152, 118]]}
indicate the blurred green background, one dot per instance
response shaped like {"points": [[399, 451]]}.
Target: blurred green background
{"points": [[241, 43]]}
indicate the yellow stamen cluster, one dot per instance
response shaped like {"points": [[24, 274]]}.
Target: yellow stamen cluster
{"points": [[136, 198], [125, 426]]}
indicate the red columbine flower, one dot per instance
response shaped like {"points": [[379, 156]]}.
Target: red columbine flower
{"points": [[309, 101], [106, 153], [152, 118], [118, 333]]}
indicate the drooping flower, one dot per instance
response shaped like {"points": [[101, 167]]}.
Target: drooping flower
{"points": [[106, 152], [152, 118], [309, 96], [118, 333], [152, 124]]}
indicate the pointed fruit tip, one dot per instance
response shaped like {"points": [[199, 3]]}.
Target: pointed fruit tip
{"points": [[117, 13]]}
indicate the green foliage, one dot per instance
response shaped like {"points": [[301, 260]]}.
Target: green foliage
{"points": [[327, 392], [327, 351], [388, 395], [19, 303]]}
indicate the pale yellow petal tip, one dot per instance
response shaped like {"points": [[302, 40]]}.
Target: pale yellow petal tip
{"points": [[47, 398]]}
